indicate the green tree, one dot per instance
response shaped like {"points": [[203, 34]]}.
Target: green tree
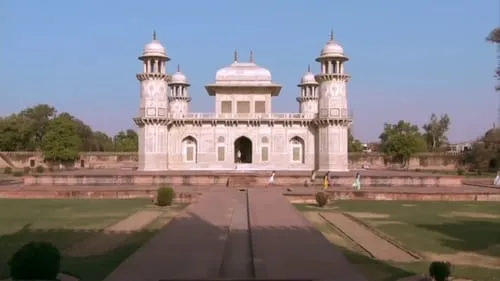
{"points": [[354, 145], [84, 132], [102, 142], [37, 119], [494, 37], [485, 152], [126, 141], [15, 133], [61, 142], [401, 141], [435, 131]]}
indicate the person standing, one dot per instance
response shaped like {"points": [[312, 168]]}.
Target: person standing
{"points": [[271, 178], [326, 180], [497, 179], [357, 181], [313, 177]]}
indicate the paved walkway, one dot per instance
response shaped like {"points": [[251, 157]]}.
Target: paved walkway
{"points": [[210, 240], [190, 247], [287, 247], [375, 245]]}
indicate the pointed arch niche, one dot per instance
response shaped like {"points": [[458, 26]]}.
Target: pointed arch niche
{"points": [[296, 146], [189, 149], [243, 150]]}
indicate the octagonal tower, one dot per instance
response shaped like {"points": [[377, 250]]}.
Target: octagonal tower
{"points": [[333, 115], [153, 135]]}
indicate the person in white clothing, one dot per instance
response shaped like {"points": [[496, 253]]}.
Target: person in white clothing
{"points": [[271, 178], [497, 179]]}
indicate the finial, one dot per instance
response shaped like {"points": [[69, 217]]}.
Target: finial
{"points": [[235, 55], [331, 34], [308, 68], [154, 34], [178, 68], [251, 56]]}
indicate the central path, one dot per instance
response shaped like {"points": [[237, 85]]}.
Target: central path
{"points": [[287, 246], [238, 235]]}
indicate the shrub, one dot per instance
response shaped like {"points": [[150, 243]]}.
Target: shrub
{"points": [[165, 196], [439, 270], [27, 170], [7, 170], [18, 173], [321, 199], [35, 261], [39, 169], [460, 171]]}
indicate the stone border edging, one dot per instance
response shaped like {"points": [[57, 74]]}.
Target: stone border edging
{"points": [[346, 236], [382, 235]]}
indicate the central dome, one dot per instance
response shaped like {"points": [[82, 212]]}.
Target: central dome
{"points": [[243, 73]]}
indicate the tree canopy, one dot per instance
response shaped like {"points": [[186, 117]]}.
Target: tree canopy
{"points": [[354, 145], [402, 140], [435, 132], [59, 136]]}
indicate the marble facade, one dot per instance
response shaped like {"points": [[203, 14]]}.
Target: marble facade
{"points": [[243, 133]]}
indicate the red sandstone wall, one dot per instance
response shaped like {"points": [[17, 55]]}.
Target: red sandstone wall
{"points": [[100, 160]]}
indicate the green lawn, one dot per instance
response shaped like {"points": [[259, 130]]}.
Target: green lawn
{"points": [[65, 222], [465, 232]]}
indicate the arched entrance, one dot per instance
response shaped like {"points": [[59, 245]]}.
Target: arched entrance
{"points": [[243, 150]]}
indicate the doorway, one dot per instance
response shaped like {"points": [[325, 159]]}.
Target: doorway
{"points": [[243, 150]]}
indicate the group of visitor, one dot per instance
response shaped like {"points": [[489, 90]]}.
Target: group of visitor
{"points": [[326, 180]]}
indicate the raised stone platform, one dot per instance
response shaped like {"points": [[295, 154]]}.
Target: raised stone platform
{"points": [[296, 194], [382, 178]]}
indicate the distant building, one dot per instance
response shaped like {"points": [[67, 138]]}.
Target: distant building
{"points": [[459, 147]]}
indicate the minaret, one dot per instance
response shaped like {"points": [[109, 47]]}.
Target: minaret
{"points": [[153, 109], [179, 98], [308, 96], [333, 115]]}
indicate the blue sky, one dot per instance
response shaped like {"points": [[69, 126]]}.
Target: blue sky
{"points": [[408, 58]]}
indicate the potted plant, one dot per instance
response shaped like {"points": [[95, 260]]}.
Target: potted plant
{"points": [[38, 261]]}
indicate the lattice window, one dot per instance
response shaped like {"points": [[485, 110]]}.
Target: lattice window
{"points": [[189, 149], [226, 107], [264, 149], [243, 107], [297, 150], [260, 107]]}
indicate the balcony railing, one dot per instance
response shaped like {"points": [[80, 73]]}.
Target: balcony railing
{"points": [[242, 116]]}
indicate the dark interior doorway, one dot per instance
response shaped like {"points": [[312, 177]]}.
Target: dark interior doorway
{"points": [[82, 163], [243, 150]]}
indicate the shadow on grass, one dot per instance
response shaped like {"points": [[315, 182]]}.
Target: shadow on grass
{"points": [[93, 268], [469, 235], [200, 244]]}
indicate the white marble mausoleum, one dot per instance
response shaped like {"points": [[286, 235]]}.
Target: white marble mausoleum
{"points": [[243, 133]]}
